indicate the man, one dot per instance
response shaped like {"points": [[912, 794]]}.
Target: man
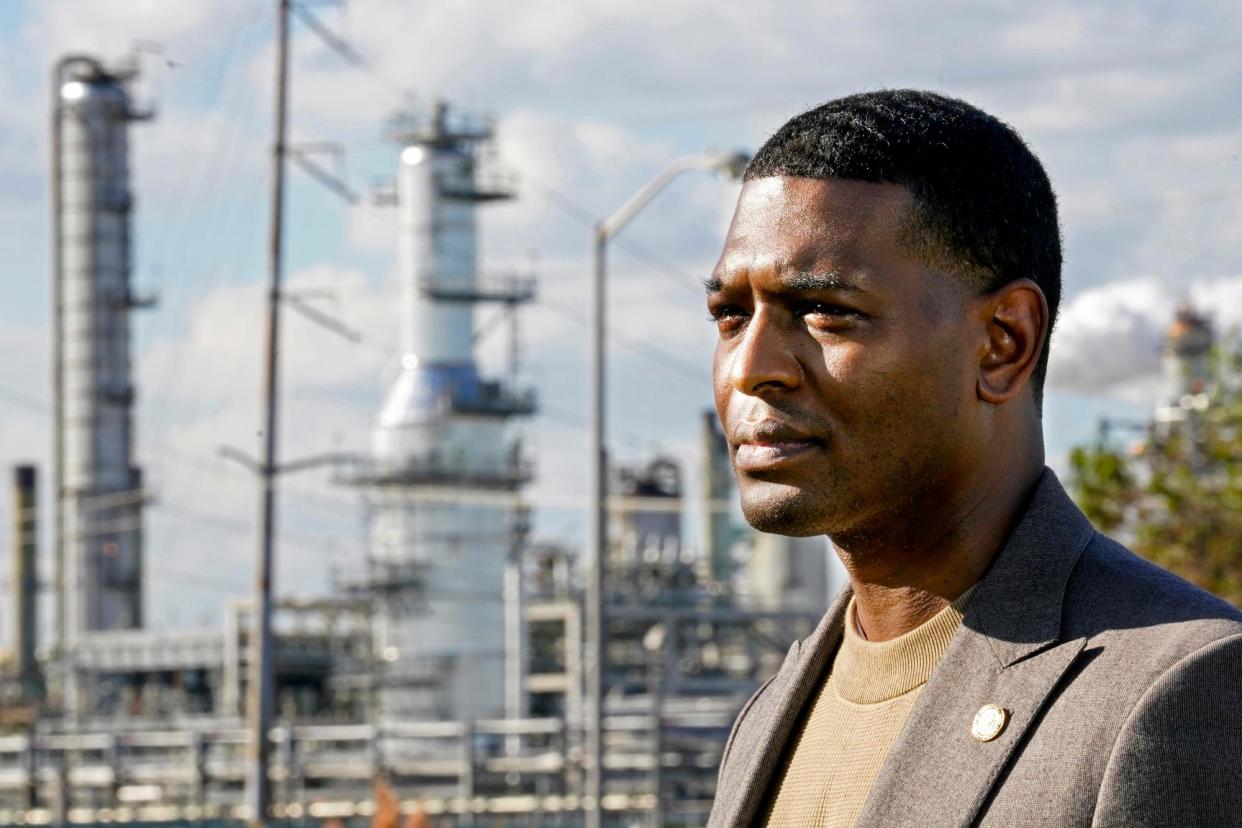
{"points": [[884, 301]]}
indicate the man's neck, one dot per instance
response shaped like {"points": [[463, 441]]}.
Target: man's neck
{"points": [[934, 554]]}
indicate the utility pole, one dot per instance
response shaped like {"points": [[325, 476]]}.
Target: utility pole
{"points": [[596, 649], [597, 539], [261, 691]]}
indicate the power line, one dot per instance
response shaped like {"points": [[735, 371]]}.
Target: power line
{"points": [[655, 354], [1018, 76], [338, 326], [133, 520], [583, 216], [439, 495], [201, 580], [23, 400], [578, 422], [211, 186], [427, 494], [308, 543], [361, 62], [206, 463], [617, 336], [988, 77], [349, 54], [557, 199]]}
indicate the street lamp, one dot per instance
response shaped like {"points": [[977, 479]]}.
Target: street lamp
{"points": [[653, 643], [731, 164]]}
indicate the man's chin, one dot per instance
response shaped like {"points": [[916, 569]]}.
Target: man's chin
{"points": [[783, 510]]}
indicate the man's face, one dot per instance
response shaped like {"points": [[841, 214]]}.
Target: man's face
{"points": [[846, 369]]}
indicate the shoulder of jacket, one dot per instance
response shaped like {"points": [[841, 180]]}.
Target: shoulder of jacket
{"points": [[1215, 668], [1114, 590], [1175, 759]]}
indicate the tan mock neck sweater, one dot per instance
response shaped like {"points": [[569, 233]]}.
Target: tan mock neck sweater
{"points": [[844, 738]]}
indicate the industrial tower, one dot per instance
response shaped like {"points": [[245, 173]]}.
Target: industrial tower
{"points": [[1188, 342], [97, 486], [442, 443]]}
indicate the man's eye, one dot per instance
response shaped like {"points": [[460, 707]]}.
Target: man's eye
{"points": [[828, 309], [723, 312], [726, 316]]}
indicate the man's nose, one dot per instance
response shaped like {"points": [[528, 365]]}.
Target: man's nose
{"points": [[764, 360]]}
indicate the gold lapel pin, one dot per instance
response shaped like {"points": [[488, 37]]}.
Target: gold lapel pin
{"points": [[989, 722]]}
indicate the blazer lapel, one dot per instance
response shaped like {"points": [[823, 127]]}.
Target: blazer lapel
{"points": [[1009, 653], [783, 713], [937, 774]]}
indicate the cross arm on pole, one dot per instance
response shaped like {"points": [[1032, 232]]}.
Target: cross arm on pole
{"points": [[303, 464]]}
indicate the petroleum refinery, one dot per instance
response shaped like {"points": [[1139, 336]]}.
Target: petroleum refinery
{"points": [[455, 660], [455, 665]]}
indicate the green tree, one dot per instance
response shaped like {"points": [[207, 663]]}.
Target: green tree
{"points": [[1176, 496]]}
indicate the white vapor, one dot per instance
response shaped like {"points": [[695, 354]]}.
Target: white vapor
{"points": [[1108, 339]]}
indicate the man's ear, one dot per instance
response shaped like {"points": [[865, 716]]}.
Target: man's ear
{"points": [[1016, 319]]}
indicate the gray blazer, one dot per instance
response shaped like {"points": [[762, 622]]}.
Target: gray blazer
{"points": [[1123, 683]]}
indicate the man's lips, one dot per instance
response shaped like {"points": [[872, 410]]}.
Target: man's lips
{"points": [[753, 457], [770, 446]]}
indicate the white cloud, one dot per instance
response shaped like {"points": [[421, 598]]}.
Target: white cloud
{"points": [[372, 227], [1108, 336], [218, 357], [1049, 30], [1102, 100], [188, 155], [25, 396], [1109, 339], [568, 175], [184, 29], [200, 391]]}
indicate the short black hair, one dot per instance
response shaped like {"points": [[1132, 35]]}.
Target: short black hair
{"points": [[982, 206]]}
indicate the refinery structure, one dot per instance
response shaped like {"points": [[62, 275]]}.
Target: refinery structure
{"points": [[443, 425], [453, 663], [97, 551]]}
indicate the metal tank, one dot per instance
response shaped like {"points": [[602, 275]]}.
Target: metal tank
{"points": [[98, 526], [440, 561]]}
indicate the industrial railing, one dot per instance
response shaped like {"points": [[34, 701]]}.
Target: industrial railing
{"points": [[499, 767], [502, 288], [436, 469]]}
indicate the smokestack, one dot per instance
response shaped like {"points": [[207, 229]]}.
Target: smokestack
{"points": [[25, 581], [1187, 345], [719, 533], [97, 530]]}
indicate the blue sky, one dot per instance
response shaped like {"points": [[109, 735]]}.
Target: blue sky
{"points": [[1130, 105]]}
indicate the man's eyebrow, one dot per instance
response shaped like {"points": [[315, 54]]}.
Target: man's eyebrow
{"points": [[812, 282], [805, 282]]}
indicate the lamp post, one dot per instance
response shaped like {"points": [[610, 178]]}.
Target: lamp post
{"points": [[732, 164], [654, 644]]}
